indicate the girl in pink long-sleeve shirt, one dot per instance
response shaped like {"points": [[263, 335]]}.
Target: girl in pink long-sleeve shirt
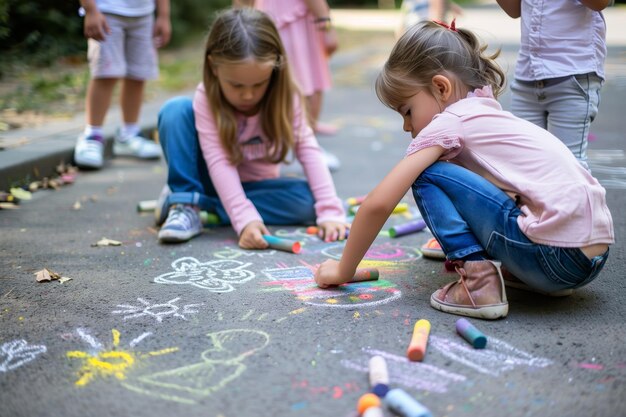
{"points": [[496, 191], [224, 147]]}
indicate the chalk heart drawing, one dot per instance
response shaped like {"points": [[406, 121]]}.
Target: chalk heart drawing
{"points": [[383, 252], [499, 357], [18, 352], [300, 281], [113, 362], [158, 310], [214, 276], [220, 365]]}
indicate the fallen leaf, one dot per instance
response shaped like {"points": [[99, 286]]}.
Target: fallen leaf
{"points": [[107, 242], [46, 275], [21, 194], [77, 205], [64, 279]]}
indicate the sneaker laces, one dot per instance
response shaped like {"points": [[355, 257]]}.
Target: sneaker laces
{"points": [[180, 216]]}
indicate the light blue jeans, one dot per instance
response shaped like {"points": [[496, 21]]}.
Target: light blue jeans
{"points": [[467, 214], [565, 107], [280, 201]]}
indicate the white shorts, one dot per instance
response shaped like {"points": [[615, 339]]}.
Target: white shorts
{"points": [[127, 52]]}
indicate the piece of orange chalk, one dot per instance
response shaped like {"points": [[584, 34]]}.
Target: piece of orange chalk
{"points": [[366, 274], [366, 401], [312, 230], [417, 347]]}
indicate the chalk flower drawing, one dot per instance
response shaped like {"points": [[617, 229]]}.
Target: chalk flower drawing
{"points": [[158, 311], [219, 365], [113, 362], [18, 352], [300, 281], [214, 276]]}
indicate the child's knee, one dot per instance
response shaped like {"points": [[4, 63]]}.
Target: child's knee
{"points": [[174, 108]]}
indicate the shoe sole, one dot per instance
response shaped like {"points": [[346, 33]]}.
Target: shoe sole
{"points": [[490, 312], [165, 236]]}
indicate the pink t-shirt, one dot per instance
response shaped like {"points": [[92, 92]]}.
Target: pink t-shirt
{"points": [[227, 178], [562, 204]]}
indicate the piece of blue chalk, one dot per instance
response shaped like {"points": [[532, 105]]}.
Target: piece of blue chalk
{"points": [[380, 390], [404, 405], [471, 334]]}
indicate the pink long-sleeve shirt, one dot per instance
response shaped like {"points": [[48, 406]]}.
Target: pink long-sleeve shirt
{"points": [[227, 178], [562, 204]]}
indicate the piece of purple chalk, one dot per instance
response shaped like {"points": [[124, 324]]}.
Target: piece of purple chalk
{"points": [[471, 334], [407, 228]]}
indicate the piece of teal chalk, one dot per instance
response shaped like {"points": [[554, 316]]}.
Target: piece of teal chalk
{"points": [[404, 405], [471, 334]]}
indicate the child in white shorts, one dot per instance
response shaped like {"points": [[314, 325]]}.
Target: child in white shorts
{"points": [[122, 41]]}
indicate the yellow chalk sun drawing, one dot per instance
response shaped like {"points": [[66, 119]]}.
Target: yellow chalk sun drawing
{"points": [[109, 363]]}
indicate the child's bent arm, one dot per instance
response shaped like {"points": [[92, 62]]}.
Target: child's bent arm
{"points": [[512, 7], [374, 211]]}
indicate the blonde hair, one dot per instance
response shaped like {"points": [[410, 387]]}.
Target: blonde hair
{"points": [[237, 35], [428, 49]]}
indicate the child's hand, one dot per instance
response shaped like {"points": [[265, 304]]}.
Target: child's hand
{"points": [[328, 274], [162, 31], [252, 236], [96, 26], [332, 231]]}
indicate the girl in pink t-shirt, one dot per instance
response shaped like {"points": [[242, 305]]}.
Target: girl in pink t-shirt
{"points": [[224, 147], [506, 200]]}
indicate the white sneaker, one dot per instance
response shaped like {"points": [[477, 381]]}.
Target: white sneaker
{"points": [[332, 162], [89, 152], [136, 146], [183, 223]]}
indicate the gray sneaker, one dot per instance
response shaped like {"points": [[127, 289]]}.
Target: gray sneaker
{"points": [[183, 223], [136, 146], [89, 151]]}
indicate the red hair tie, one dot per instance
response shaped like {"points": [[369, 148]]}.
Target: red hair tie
{"points": [[451, 26]]}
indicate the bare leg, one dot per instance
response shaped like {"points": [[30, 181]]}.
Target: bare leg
{"points": [[99, 93], [131, 99]]}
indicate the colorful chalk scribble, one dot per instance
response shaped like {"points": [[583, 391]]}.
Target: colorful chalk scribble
{"points": [[215, 276], [113, 362], [379, 254], [17, 353], [299, 280], [221, 364], [159, 310]]}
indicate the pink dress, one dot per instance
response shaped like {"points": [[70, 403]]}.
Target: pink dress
{"points": [[303, 42]]}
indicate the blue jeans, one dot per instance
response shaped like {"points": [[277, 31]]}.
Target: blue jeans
{"points": [[566, 108], [468, 214], [279, 201]]}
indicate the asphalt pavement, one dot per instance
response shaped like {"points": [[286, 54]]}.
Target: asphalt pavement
{"points": [[207, 329]]}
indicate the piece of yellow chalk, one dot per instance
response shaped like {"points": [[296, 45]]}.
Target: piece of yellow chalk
{"points": [[417, 347], [400, 208]]}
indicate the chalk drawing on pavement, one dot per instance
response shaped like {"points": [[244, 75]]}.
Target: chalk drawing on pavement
{"points": [[16, 353], [379, 252], [214, 276], [157, 310], [415, 375], [220, 365], [497, 358], [234, 253], [112, 362], [299, 280]]}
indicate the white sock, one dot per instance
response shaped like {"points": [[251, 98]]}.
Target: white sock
{"points": [[130, 129], [91, 130]]}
